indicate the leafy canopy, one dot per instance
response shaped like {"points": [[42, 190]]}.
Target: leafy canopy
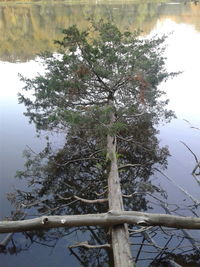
{"points": [[97, 72], [91, 68]]}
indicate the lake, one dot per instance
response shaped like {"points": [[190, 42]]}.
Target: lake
{"points": [[27, 28]]}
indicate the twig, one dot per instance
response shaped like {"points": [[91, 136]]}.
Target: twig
{"points": [[102, 200], [151, 240], [64, 198], [192, 127], [5, 241], [78, 258], [101, 194], [163, 249], [86, 245], [75, 160], [129, 196], [129, 165], [142, 229], [196, 159], [186, 233], [197, 162], [194, 170], [140, 249], [180, 188]]}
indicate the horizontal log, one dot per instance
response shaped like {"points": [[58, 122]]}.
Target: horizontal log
{"points": [[103, 219]]}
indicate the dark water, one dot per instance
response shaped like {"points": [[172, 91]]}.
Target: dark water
{"points": [[28, 28]]}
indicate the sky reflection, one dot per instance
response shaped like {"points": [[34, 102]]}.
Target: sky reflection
{"points": [[182, 55]]}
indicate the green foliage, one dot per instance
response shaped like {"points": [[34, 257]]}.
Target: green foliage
{"points": [[116, 127], [95, 87], [90, 71]]}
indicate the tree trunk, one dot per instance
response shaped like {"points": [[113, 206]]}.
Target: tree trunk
{"points": [[119, 233]]}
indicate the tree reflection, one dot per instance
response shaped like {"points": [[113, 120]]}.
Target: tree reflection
{"points": [[72, 180], [28, 29], [64, 182]]}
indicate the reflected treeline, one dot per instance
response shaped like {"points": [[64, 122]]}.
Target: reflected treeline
{"points": [[27, 29], [188, 13]]}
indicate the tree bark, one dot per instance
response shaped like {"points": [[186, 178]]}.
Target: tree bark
{"points": [[103, 219], [119, 233]]}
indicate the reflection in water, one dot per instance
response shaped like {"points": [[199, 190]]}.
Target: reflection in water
{"points": [[182, 54], [58, 183], [29, 29]]}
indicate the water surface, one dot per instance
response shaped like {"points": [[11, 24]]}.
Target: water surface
{"points": [[29, 28]]}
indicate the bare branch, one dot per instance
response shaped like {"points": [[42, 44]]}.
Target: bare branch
{"points": [[195, 174], [151, 240], [197, 163], [6, 240], [197, 202], [139, 251], [92, 201], [101, 194], [186, 233], [142, 229], [129, 196], [192, 127], [190, 151], [103, 219], [64, 198], [86, 245], [129, 165], [78, 258]]}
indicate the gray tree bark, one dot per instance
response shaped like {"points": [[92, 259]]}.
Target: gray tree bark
{"points": [[111, 218], [119, 234]]}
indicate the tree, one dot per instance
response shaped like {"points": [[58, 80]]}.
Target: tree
{"points": [[101, 89], [59, 182]]}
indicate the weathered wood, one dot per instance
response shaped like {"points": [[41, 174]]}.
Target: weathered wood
{"points": [[111, 218], [119, 234]]}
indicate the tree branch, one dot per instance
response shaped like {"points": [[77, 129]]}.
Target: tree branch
{"points": [[197, 202], [92, 201], [101, 194], [86, 245], [103, 219], [5, 241], [129, 165], [196, 159], [76, 160]]}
